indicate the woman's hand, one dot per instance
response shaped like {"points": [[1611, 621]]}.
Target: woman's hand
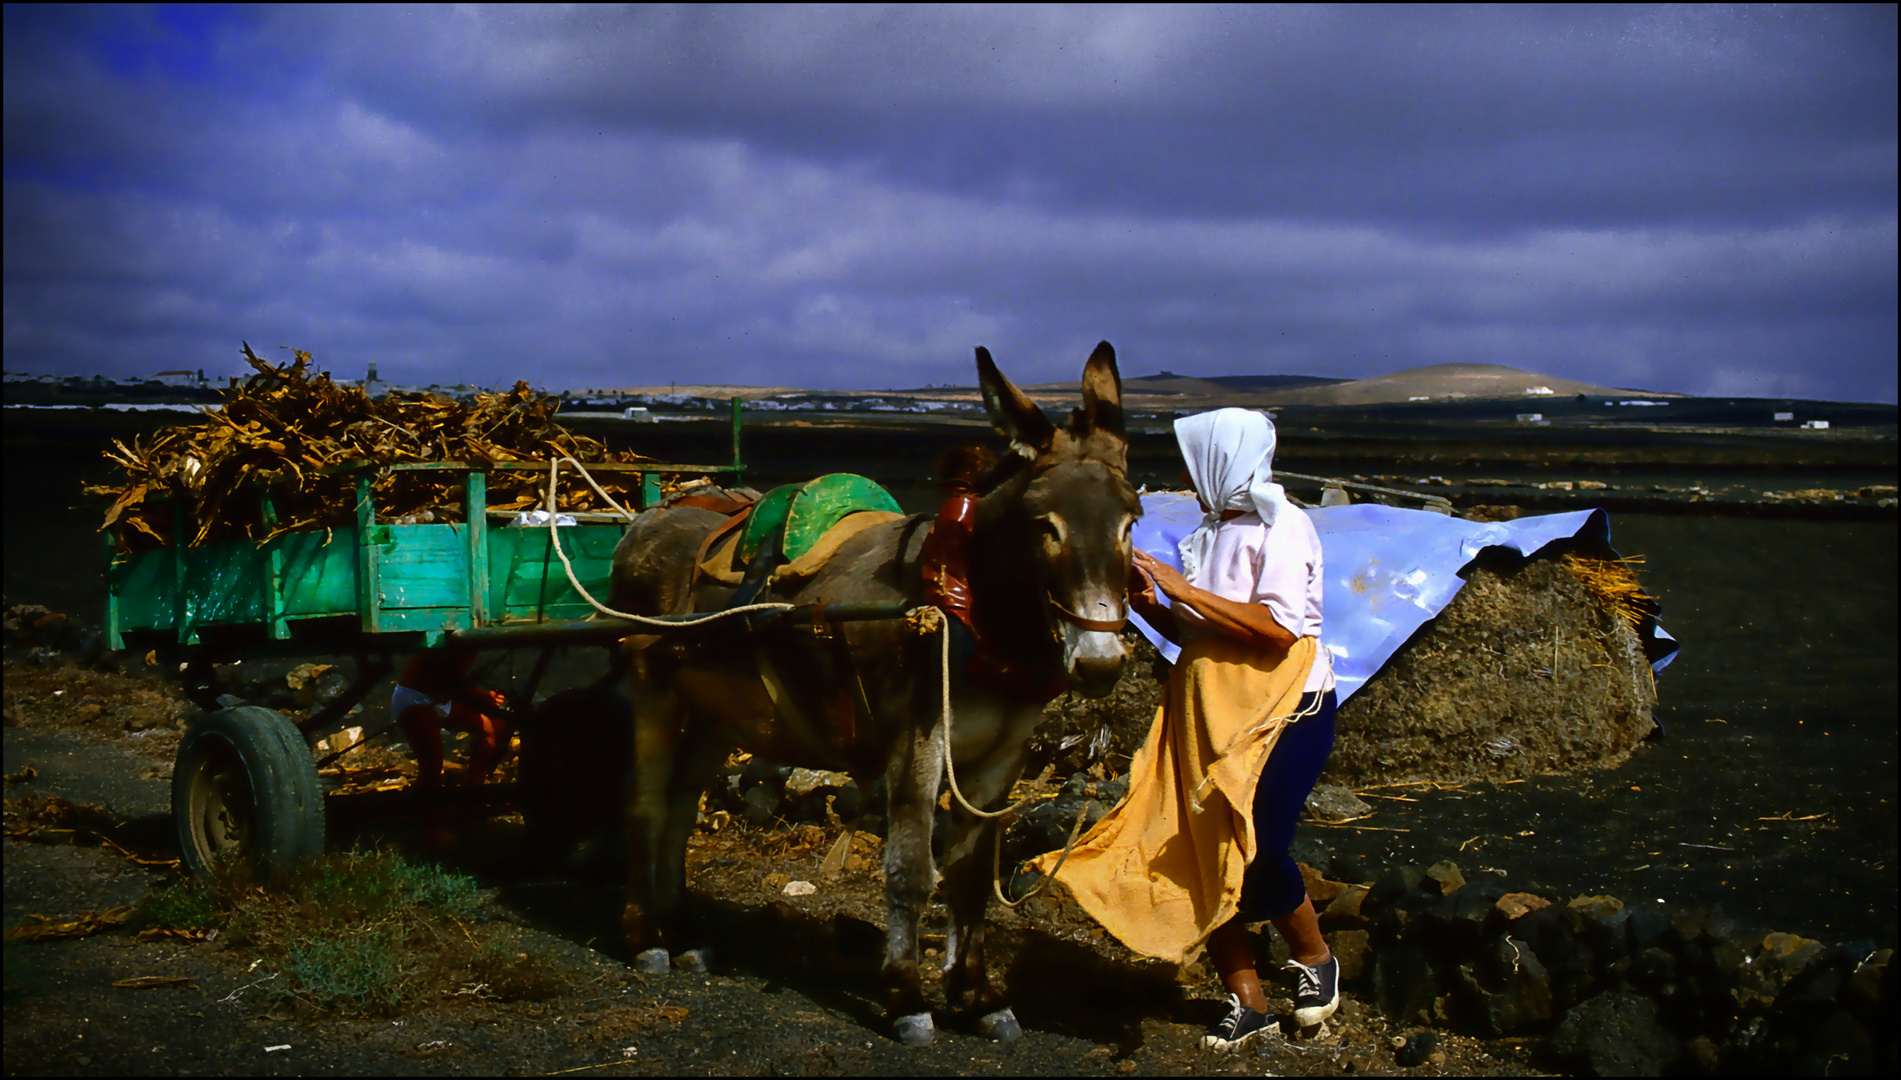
{"points": [[1161, 577], [1142, 589], [1145, 599], [1252, 623]]}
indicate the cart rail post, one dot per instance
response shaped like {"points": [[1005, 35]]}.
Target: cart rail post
{"points": [[366, 591], [273, 570], [739, 412], [475, 505], [181, 609]]}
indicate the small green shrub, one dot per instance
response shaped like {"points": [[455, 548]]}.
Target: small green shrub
{"points": [[357, 930], [455, 895], [364, 970]]}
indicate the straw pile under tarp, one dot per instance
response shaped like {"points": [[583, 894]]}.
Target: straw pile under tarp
{"points": [[299, 433], [1534, 667]]}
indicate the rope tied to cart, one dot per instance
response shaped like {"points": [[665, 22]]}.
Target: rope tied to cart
{"points": [[554, 533]]}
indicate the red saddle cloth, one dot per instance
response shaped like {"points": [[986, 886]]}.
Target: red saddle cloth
{"points": [[945, 563], [945, 560]]}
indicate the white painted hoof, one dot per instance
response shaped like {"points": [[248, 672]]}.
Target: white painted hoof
{"points": [[916, 1029], [695, 960], [653, 962], [1000, 1026]]}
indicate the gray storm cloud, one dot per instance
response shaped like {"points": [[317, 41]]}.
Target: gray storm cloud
{"points": [[1681, 199]]}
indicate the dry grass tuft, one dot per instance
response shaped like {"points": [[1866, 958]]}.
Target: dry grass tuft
{"points": [[1614, 584]]}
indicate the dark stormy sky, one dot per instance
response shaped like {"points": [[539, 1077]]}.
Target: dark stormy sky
{"points": [[1697, 199]]}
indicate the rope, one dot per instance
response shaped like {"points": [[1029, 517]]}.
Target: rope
{"points": [[925, 618], [554, 535], [589, 477]]}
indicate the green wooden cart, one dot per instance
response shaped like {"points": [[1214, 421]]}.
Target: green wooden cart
{"points": [[246, 783]]}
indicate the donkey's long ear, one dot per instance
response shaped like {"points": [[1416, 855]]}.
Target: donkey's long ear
{"points": [[1102, 394], [1015, 416]]}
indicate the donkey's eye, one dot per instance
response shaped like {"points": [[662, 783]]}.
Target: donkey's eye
{"points": [[1052, 532]]}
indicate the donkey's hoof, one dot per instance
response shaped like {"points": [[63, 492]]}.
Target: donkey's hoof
{"points": [[916, 1029], [652, 962], [1000, 1026], [695, 960]]}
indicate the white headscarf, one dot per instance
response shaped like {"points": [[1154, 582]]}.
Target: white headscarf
{"points": [[1230, 455]]}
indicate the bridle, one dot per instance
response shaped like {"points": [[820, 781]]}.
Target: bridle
{"points": [[1068, 616]]}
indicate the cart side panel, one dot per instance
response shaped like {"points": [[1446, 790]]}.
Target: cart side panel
{"points": [[144, 583], [222, 583], [319, 575], [422, 579], [526, 578]]}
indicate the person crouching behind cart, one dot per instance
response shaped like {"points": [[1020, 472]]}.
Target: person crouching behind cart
{"points": [[433, 693], [1199, 847]]}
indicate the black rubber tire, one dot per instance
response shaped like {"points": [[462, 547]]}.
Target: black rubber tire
{"points": [[245, 789]]}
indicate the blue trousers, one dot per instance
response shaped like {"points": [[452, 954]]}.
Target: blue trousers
{"points": [[1273, 887]]}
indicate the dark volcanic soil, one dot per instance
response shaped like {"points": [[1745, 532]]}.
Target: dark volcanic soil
{"points": [[793, 988]]}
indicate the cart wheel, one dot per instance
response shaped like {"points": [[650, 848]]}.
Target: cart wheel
{"points": [[245, 788]]}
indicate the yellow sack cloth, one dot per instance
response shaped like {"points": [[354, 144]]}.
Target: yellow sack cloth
{"points": [[1163, 869], [718, 564]]}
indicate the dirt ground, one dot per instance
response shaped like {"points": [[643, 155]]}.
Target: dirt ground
{"points": [[792, 987]]}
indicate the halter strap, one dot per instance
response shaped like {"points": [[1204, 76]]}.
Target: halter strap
{"points": [[1074, 619]]}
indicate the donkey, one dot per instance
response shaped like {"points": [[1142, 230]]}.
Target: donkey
{"points": [[1050, 550]]}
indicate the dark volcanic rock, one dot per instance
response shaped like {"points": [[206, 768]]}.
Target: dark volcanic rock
{"points": [[762, 804], [1403, 983], [1416, 1049], [1616, 1034], [1524, 1001], [1331, 802]]}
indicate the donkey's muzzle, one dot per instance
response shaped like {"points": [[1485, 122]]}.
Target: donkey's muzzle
{"points": [[1094, 660]]}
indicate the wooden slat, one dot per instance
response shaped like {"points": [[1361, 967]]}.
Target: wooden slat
{"points": [[366, 591], [475, 495]]}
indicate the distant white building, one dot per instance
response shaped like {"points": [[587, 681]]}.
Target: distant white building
{"points": [[1782, 417]]}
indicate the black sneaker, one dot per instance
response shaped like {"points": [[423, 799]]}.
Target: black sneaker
{"points": [[1319, 991], [1238, 1027]]}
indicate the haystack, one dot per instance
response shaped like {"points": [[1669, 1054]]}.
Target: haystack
{"points": [[1534, 667]]}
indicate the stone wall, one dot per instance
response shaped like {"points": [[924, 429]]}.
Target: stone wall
{"points": [[1609, 988]]}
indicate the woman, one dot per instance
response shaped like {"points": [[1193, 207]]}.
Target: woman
{"points": [[1253, 575], [1198, 848]]}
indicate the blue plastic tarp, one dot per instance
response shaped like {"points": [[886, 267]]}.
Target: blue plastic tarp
{"points": [[1388, 571]]}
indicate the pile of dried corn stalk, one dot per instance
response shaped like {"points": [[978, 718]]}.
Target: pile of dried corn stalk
{"points": [[299, 434]]}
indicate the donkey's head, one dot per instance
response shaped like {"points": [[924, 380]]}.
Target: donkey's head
{"points": [[1061, 525]]}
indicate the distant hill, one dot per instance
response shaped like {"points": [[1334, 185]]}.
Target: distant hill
{"points": [[1438, 382], [1244, 383], [1252, 383], [1449, 382]]}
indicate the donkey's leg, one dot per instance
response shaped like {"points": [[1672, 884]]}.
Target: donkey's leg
{"points": [[698, 757], [658, 714], [970, 862], [911, 778]]}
